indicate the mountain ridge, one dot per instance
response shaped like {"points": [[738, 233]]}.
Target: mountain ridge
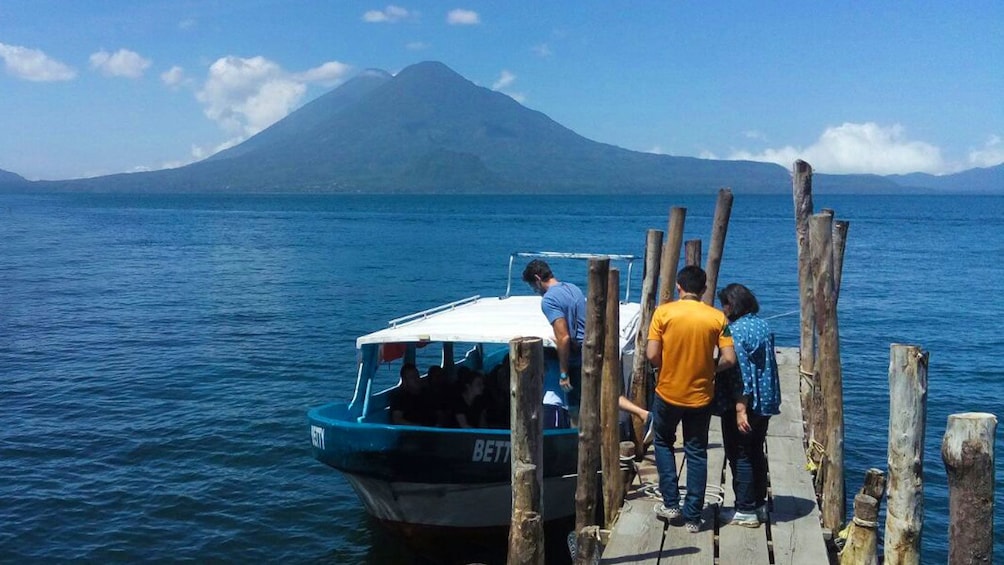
{"points": [[429, 129]]}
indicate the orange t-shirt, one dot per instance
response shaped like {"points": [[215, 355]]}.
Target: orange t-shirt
{"points": [[689, 331]]}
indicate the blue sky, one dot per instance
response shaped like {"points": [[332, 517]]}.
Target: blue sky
{"points": [[96, 87]]}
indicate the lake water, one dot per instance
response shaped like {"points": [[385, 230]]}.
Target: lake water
{"points": [[159, 352]]}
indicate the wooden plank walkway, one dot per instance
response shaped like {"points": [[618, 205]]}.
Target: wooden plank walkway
{"points": [[792, 536]]}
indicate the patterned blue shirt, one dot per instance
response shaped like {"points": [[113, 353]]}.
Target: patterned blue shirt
{"points": [[757, 376]]}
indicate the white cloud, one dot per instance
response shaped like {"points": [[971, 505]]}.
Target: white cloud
{"points": [[34, 65], [858, 148], [505, 79], [417, 46], [390, 14], [244, 96], [503, 83], [173, 77], [122, 63], [328, 74], [657, 149], [542, 50], [463, 17], [187, 24], [990, 155]]}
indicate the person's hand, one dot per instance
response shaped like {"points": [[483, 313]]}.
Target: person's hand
{"points": [[742, 421], [565, 383]]}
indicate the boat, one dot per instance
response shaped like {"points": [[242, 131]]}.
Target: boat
{"points": [[414, 478]]}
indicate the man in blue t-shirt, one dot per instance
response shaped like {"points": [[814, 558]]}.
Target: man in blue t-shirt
{"points": [[564, 305]]}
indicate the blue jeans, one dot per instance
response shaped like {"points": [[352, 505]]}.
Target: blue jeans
{"points": [[695, 450], [747, 460]]}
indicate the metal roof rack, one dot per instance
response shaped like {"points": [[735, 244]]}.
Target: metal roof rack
{"points": [[630, 259]]}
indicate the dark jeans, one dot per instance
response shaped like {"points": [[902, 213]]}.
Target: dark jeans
{"points": [[747, 460], [695, 450]]}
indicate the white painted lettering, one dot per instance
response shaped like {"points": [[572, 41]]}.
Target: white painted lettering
{"points": [[479, 450], [317, 436]]}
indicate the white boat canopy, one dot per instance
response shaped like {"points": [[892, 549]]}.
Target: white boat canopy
{"points": [[486, 320]]}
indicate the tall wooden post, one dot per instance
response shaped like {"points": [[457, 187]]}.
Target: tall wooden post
{"points": [[526, 387], [610, 389], [719, 229], [639, 367], [801, 182], [968, 452], [671, 254], [828, 367], [589, 415], [904, 520], [692, 252], [840, 228]]}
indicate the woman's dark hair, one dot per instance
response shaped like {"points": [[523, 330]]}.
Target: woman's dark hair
{"points": [[739, 299]]}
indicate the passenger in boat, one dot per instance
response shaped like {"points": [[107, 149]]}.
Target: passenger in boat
{"points": [[469, 409], [439, 395], [746, 396], [407, 401], [681, 343], [564, 305], [497, 395]]}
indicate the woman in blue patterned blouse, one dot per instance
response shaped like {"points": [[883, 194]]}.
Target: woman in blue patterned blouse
{"points": [[746, 398]]}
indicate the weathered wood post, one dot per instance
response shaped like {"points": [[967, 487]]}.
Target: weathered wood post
{"points": [[526, 387], [802, 193], [817, 406], [968, 452], [671, 254], [840, 228], [828, 367], [610, 389], [862, 539], [907, 417], [639, 366], [692, 252], [719, 229], [587, 534]]}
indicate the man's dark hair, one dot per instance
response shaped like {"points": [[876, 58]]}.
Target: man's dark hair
{"points": [[692, 279], [537, 268], [408, 367], [739, 299]]}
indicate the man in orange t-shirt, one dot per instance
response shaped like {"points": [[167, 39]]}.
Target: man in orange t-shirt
{"points": [[682, 341]]}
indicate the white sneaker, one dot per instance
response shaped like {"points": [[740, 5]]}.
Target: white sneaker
{"points": [[669, 513], [746, 519]]}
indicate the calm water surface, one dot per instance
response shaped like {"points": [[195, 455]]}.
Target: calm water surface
{"points": [[159, 352]]}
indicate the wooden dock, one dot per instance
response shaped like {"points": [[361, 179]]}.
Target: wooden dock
{"points": [[793, 534]]}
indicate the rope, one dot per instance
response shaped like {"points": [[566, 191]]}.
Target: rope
{"points": [[784, 314], [865, 523]]}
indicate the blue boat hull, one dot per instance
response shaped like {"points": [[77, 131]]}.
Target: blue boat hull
{"points": [[439, 477]]}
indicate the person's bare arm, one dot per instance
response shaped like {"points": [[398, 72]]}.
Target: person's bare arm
{"points": [[653, 351], [726, 359], [563, 343]]}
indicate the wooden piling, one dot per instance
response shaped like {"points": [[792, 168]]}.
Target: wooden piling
{"points": [[692, 252], [829, 371], [874, 484], [671, 254], [840, 228], [907, 418], [589, 421], [526, 387], [862, 539], [610, 390], [968, 452], [719, 229], [640, 365], [802, 193]]}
